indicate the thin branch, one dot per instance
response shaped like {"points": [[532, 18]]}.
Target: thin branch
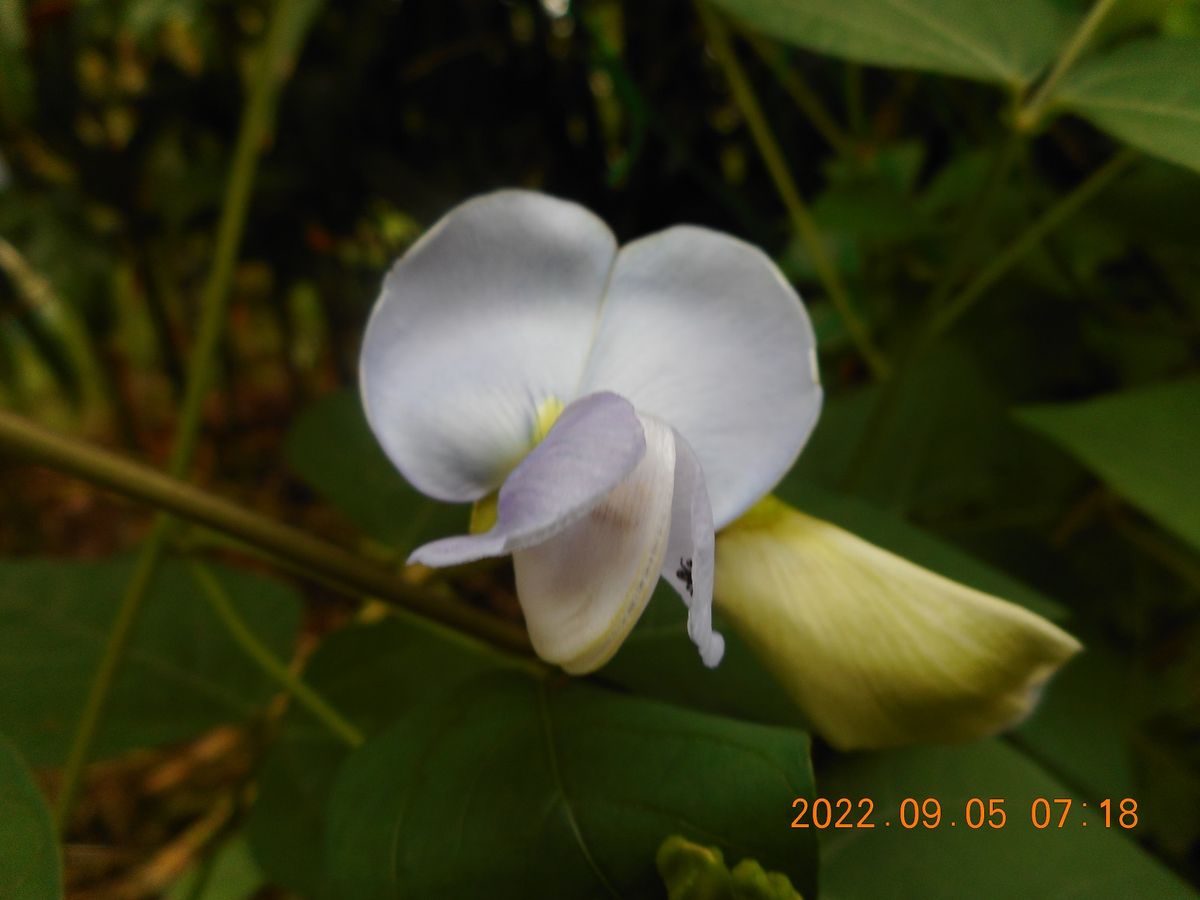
{"points": [[1030, 114], [257, 118], [262, 656], [802, 220], [1030, 238], [808, 101], [331, 563], [944, 317]]}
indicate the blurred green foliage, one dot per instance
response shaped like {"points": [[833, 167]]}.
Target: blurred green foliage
{"points": [[1044, 448], [693, 872], [185, 674], [30, 863]]}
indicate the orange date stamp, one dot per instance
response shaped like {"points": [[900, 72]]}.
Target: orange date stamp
{"points": [[975, 814]]}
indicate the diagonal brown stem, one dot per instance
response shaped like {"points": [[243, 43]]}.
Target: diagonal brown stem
{"points": [[309, 553]]}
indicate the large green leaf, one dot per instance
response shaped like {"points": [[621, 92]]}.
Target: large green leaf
{"points": [[182, 675], [518, 787], [954, 860], [1146, 93], [371, 674], [30, 868], [1144, 443], [1081, 729], [1008, 43], [229, 874], [945, 445], [331, 447]]}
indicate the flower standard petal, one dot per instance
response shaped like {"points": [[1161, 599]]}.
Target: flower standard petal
{"points": [[702, 331], [594, 445], [876, 650], [583, 590], [490, 314], [689, 562]]}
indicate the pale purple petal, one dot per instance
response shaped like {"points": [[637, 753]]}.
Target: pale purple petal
{"points": [[595, 443], [688, 566], [584, 589]]}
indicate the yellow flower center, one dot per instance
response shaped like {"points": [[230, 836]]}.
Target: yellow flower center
{"points": [[766, 514], [544, 417], [483, 513]]}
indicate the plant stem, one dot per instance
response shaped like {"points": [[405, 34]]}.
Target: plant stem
{"points": [[101, 684], [971, 227], [223, 606], [330, 562], [253, 129], [804, 96], [943, 313], [1030, 114], [802, 220]]}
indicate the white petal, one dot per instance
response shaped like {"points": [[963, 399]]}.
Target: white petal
{"points": [[594, 445], [490, 314], [701, 330], [876, 650], [583, 590], [689, 563]]}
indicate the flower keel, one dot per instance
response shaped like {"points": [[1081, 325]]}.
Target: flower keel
{"points": [[583, 590]]}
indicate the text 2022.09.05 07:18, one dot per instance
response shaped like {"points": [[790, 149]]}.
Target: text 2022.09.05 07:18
{"points": [[975, 814]]}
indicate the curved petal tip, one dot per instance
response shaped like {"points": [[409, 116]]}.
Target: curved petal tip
{"points": [[876, 650]]}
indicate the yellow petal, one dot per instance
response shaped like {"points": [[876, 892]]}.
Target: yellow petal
{"points": [[876, 650]]}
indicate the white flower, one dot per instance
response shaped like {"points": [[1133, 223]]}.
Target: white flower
{"points": [[683, 364], [626, 404]]}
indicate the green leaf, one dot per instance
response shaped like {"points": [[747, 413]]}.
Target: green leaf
{"points": [[30, 867], [371, 674], [1157, 205], [1146, 93], [1182, 19], [1007, 43], [659, 660], [230, 874], [331, 447], [952, 861], [1142, 442], [1133, 15], [1081, 729], [868, 210], [956, 183], [873, 201], [183, 674], [516, 787], [945, 446]]}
